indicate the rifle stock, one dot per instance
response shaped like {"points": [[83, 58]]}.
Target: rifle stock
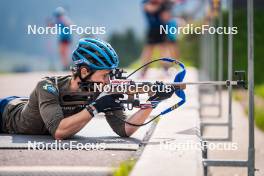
{"points": [[132, 90]]}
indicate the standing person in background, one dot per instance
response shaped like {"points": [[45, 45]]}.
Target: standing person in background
{"points": [[153, 10], [170, 22], [65, 37]]}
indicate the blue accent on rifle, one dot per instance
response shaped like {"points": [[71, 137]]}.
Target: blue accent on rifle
{"points": [[179, 92]]}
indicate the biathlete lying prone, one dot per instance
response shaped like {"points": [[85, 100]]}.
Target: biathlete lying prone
{"points": [[42, 112]]}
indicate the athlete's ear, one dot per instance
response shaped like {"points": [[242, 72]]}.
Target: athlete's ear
{"points": [[84, 72]]}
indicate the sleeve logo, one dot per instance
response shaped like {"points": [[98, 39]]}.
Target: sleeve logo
{"points": [[50, 88]]}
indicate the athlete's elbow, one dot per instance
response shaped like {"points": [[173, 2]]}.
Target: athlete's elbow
{"points": [[122, 133], [60, 132], [127, 134], [58, 135]]}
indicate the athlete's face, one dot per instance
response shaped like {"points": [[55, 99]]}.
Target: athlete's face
{"points": [[101, 76]]}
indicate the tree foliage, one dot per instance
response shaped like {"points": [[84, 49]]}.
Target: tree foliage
{"points": [[127, 46]]}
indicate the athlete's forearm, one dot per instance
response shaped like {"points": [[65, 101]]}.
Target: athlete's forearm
{"points": [[137, 118], [72, 124]]}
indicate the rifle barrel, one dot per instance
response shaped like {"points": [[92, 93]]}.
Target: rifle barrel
{"points": [[223, 83]]}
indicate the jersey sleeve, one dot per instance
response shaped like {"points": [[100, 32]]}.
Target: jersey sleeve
{"points": [[115, 123], [49, 105]]}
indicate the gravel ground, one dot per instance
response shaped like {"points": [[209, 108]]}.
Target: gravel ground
{"points": [[107, 158]]}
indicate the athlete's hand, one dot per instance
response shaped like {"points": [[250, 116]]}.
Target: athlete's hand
{"points": [[161, 93], [108, 103]]}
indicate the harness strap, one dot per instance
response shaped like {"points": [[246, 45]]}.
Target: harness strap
{"points": [[179, 92]]}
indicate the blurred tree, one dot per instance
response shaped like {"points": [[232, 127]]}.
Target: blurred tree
{"points": [[127, 46], [240, 43]]}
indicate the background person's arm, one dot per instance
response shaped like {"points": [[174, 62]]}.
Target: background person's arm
{"points": [[151, 7]]}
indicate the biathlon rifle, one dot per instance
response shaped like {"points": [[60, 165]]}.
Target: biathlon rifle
{"points": [[133, 89]]}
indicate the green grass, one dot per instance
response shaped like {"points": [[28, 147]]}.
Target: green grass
{"points": [[259, 90], [125, 168], [188, 47], [259, 117], [157, 120], [237, 97], [189, 50], [5, 73], [259, 111]]}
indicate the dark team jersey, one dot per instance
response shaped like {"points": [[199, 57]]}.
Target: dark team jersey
{"points": [[154, 19]]}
